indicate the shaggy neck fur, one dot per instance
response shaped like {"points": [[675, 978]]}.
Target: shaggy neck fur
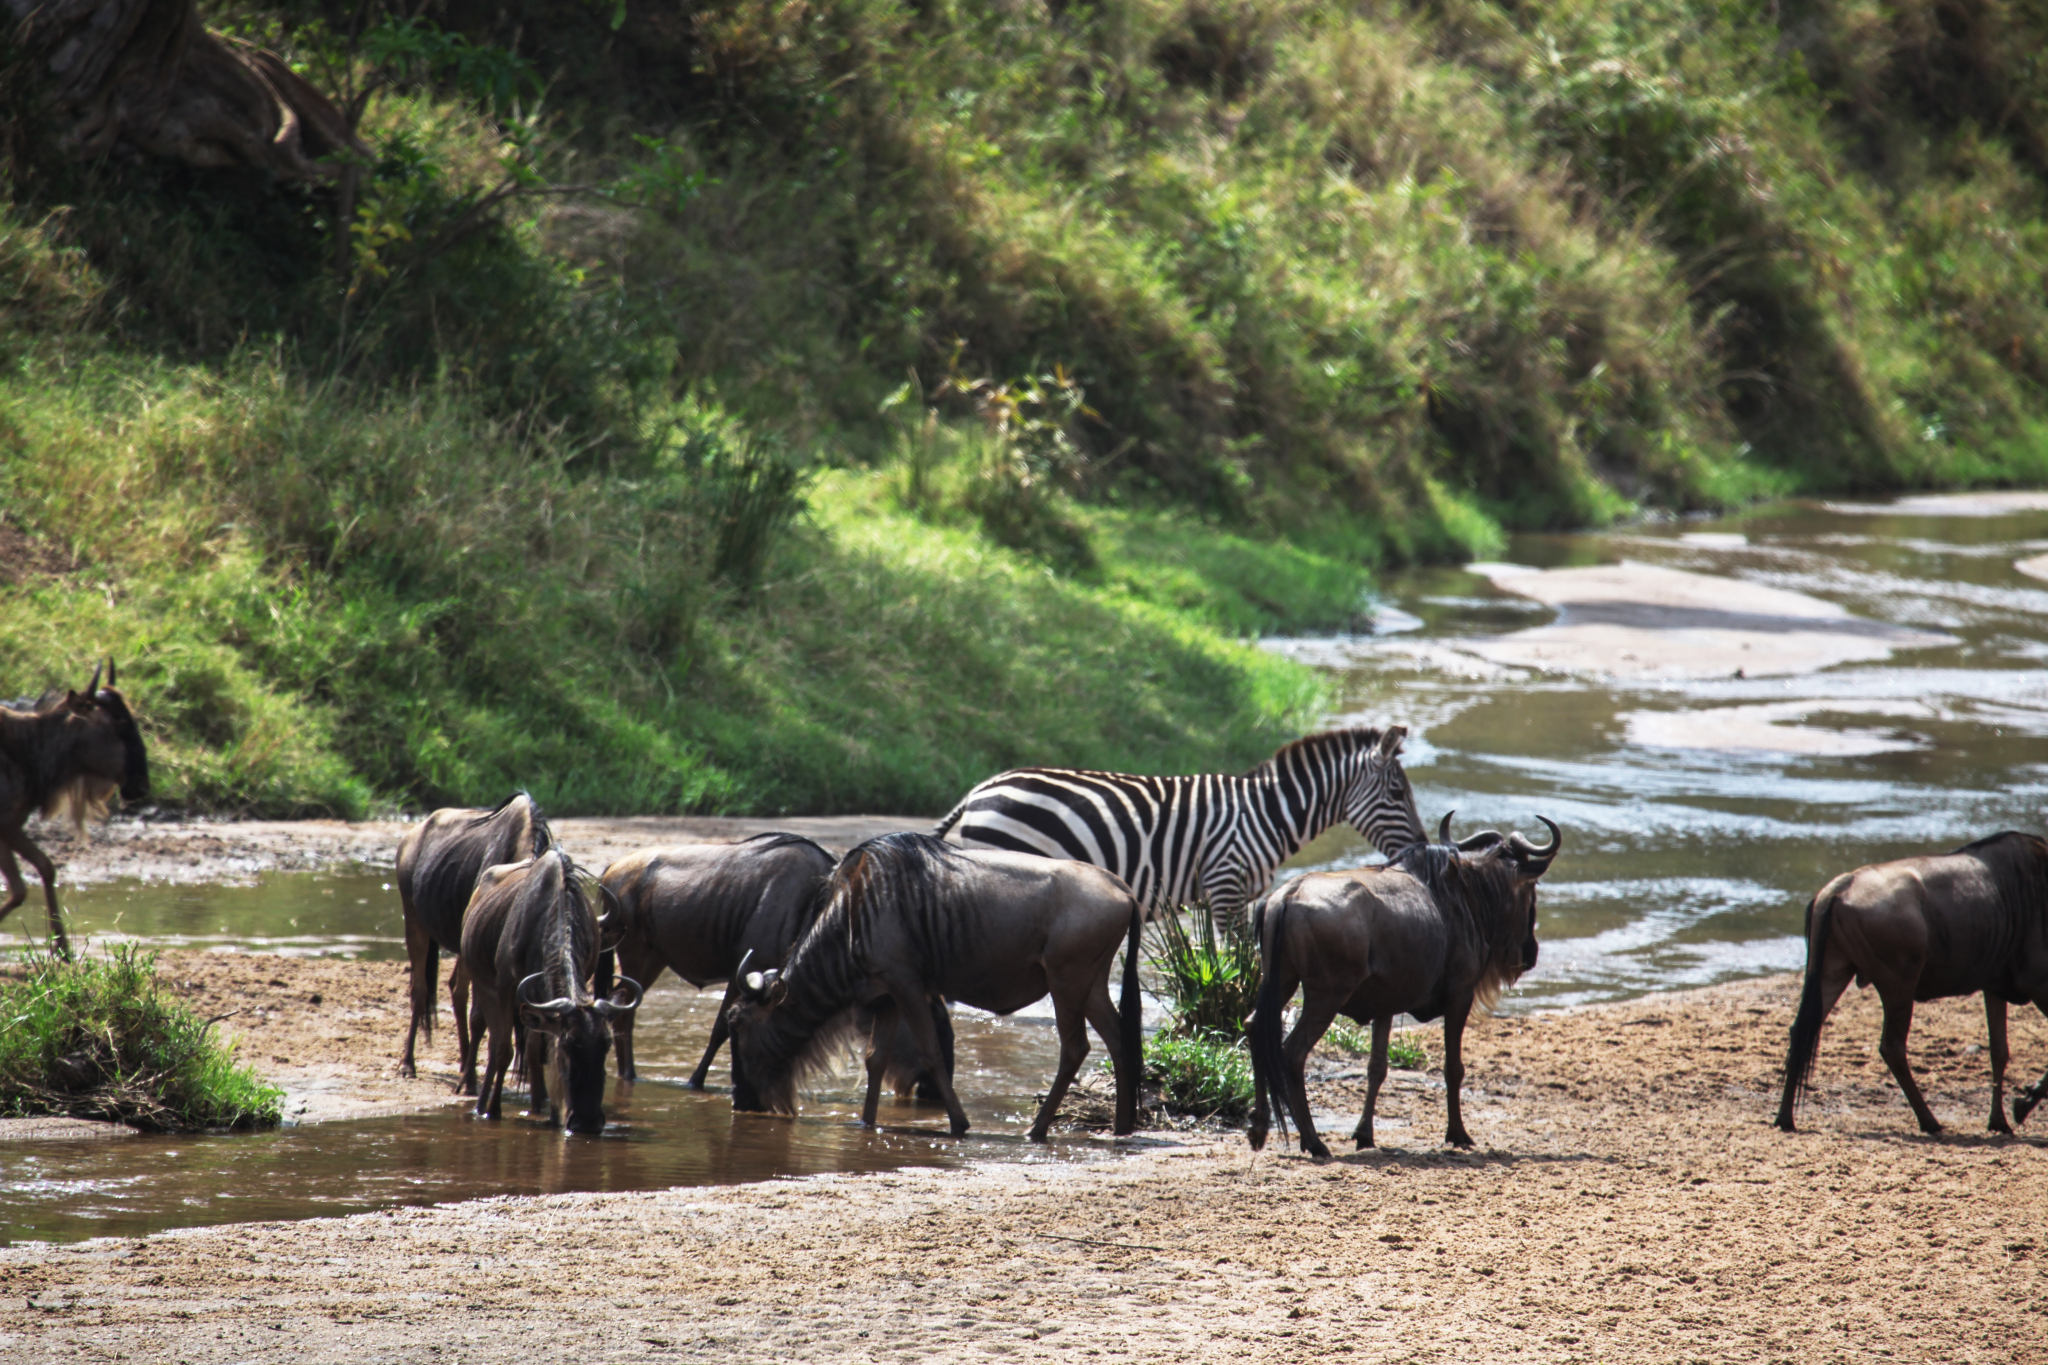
{"points": [[1478, 888], [47, 748]]}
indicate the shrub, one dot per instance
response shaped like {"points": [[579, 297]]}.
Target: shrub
{"points": [[97, 1039], [1210, 973], [1405, 1051]]}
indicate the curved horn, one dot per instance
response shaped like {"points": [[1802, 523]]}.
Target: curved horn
{"points": [[1443, 830], [1526, 852], [740, 972], [1485, 838], [611, 1005], [92, 689], [555, 1006]]}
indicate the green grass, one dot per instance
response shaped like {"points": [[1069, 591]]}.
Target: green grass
{"points": [[1405, 1051], [933, 389], [98, 1039], [1208, 974], [1201, 1076]]}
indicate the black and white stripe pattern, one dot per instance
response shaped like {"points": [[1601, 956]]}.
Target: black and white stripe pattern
{"points": [[1212, 837]]}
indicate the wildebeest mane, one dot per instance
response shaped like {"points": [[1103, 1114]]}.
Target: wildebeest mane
{"points": [[2019, 870], [1477, 887], [543, 835]]}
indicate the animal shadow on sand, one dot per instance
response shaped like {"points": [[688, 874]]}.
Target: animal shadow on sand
{"points": [[1450, 1158]]}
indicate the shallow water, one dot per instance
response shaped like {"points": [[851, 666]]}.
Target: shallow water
{"points": [[1690, 854]]}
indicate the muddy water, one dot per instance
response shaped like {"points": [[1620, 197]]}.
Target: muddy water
{"points": [[1701, 813], [661, 1134]]}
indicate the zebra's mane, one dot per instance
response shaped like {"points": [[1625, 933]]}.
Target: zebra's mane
{"points": [[1353, 739]]}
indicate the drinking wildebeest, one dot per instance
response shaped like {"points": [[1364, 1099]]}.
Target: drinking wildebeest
{"points": [[1921, 929], [705, 910], [910, 918], [66, 756], [438, 865], [1433, 932], [530, 944]]}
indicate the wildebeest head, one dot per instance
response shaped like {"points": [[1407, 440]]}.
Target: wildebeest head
{"points": [[776, 1041], [1506, 868], [580, 1034], [95, 750], [135, 758]]}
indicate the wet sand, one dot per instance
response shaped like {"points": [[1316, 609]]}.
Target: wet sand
{"points": [[1628, 1202]]}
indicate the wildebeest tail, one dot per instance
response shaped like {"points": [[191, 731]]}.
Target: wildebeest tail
{"points": [[1131, 1019], [425, 995], [1269, 1067], [1806, 1024]]}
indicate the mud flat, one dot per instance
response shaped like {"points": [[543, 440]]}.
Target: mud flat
{"points": [[1628, 1202]]}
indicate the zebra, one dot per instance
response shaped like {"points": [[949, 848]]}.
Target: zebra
{"points": [[1211, 837]]}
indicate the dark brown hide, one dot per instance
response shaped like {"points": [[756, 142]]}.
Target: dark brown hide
{"points": [[1921, 929], [701, 910], [530, 946], [1432, 933], [438, 865], [67, 757], [149, 75], [910, 918]]}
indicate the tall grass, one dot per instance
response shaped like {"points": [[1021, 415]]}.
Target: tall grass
{"points": [[96, 1038]]}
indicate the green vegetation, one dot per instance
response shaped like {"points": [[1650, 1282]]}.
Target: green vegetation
{"points": [[1202, 1076], [1209, 976], [97, 1039], [821, 407], [1405, 1051]]}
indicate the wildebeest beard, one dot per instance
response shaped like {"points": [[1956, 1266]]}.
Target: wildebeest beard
{"points": [[1482, 891]]}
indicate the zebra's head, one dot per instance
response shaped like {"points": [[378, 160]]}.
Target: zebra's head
{"points": [[1378, 800]]}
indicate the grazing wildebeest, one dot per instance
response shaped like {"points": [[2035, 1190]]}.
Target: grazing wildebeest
{"points": [[1921, 929], [909, 918], [703, 910], [1433, 932], [530, 943], [65, 755], [438, 864]]}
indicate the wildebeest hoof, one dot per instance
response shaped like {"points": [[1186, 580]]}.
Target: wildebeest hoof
{"points": [[1930, 1128], [959, 1130], [1320, 1156], [1460, 1141], [406, 1073], [1363, 1140]]}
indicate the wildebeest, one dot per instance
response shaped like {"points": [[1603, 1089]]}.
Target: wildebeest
{"points": [[438, 865], [1435, 931], [1921, 929], [65, 755], [909, 918], [703, 910], [530, 944]]}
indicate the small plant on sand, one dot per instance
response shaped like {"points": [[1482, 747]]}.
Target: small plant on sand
{"points": [[1210, 974], [1405, 1051], [98, 1039]]}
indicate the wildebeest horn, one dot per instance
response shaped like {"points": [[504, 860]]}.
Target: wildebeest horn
{"points": [[558, 1005], [741, 970], [92, 689], [1443, 831], [611, 1005], [1526, 852], [110, 670]]}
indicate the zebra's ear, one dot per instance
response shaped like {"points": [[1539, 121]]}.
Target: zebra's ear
{"points": [[1390, 741]]}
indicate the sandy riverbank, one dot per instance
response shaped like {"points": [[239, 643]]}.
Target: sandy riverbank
{"points": [[1628, 1201]]}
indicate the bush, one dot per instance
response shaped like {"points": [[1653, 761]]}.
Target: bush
{"points": [[96, 1039], [1405, 1051], [1209, 973]]}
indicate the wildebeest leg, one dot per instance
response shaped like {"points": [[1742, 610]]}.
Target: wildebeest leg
{"points": [[639, 962], [424, 958], [880, 1034], [1898, 1022], [1994, 1022], [1454, 1071], [915, 1013], [1375, 1074], [476, 1041], [1308, 1031], [490, 1092], [1102, 1013], [1070, 1017], [465, 1030], [720, 1031], [2023, 1103], [17, 888], [22, 844], [942, 1027], [536, 1070]]}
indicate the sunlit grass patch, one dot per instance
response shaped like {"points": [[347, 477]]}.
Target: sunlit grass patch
{"points": [[99, 1039]]}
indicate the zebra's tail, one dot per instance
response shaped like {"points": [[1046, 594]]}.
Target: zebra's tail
{"points": [[952, 816]]}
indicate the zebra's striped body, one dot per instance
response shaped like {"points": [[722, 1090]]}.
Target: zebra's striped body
{"points": [[1211, 837]]}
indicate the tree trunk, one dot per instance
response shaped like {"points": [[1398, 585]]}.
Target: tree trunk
{"points": [[148, 75]]}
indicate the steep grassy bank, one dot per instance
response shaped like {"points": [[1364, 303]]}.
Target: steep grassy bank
{"points": [[818, 408]]}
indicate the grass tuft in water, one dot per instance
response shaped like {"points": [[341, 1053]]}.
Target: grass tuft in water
{"points": [[98, 1039]]}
